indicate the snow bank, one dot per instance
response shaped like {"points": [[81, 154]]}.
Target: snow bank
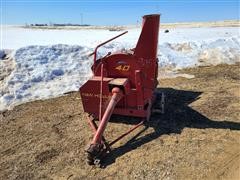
{"points": [[51, 70], [189, 54], [43, 72]]}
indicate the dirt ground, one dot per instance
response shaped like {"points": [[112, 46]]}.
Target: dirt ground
{"points": [[198, 137]]}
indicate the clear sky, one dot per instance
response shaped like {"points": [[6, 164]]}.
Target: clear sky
{"points": [[106, 12]]}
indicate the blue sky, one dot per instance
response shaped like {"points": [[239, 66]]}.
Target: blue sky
{"points": [[106, 12]]}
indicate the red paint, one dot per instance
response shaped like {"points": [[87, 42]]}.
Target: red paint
{"points": [[116, 96], [133, 93]]}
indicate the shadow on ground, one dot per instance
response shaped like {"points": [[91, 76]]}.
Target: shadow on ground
{"points": [[177, 116]]}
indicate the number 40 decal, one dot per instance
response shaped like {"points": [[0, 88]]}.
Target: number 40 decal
{"points": [[123, 67]]}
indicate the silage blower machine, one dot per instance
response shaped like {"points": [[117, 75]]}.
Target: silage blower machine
{"points": [[123, 83]]}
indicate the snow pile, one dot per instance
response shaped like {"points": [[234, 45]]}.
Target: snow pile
{"points": [[45, 71], [189, 54], [42, 72]]}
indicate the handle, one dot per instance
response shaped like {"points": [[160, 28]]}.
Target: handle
{"points": [[95, 51]]}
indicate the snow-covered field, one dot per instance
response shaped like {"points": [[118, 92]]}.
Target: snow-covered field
{"points": [[48, 63]]}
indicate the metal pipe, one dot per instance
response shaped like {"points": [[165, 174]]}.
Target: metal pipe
{"points": [[129, 131], [95, 51], [117, 95], [94, 127], [101, 91]]}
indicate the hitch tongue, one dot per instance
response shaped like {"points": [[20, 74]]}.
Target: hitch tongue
{"points": [[97, 147]]}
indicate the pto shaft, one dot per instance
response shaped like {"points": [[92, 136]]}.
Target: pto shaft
{"points": [[117, 94]]}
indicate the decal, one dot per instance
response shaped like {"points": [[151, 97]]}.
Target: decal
{"points": [[95, 95], [123, 67]]}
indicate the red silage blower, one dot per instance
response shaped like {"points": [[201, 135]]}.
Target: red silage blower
{"points": [[123, 83]]}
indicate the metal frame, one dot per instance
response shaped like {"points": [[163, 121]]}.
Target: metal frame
{"points": [[133, 97], [93, 125]]}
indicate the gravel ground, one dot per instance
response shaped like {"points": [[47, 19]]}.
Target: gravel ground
{"points": [[198, 137]]}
